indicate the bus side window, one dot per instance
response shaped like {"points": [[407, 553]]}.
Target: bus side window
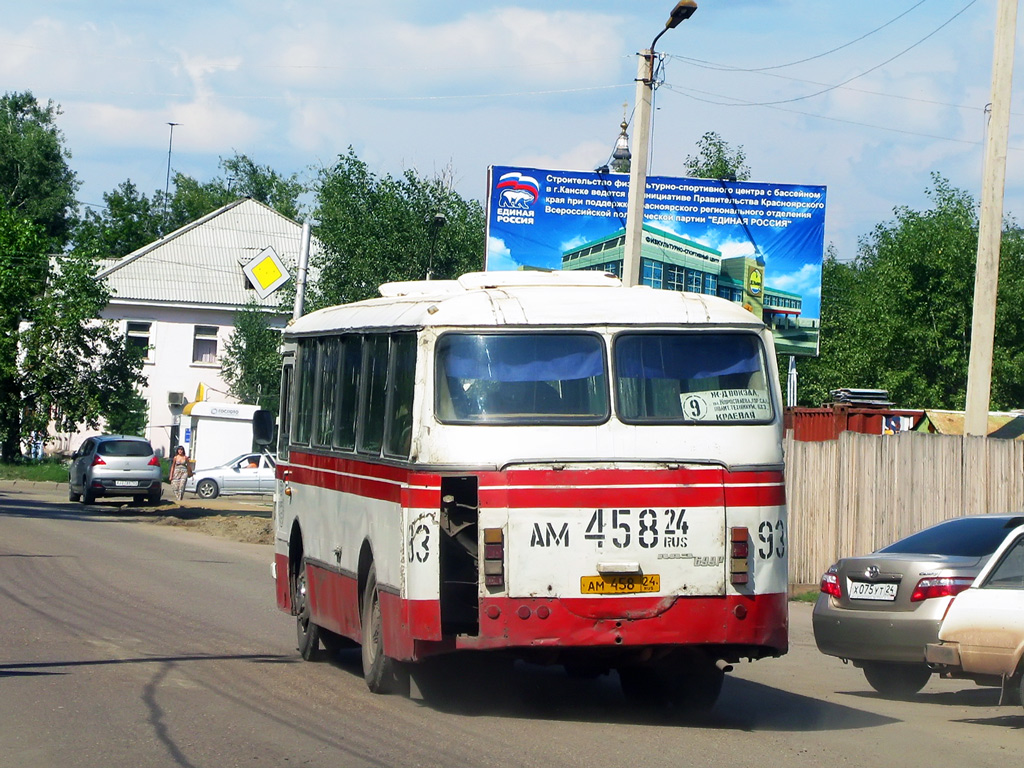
{"points": [[401, 391], [326, 387], [286, 411], [304, 395], [346, 406], [373, 395]]}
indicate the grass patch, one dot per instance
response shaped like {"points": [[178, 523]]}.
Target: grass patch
{"points": [[45, 471], [805, 596]]}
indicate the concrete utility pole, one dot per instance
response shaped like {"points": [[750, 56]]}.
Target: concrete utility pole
{"points": [[990, 225], [683, 10]]}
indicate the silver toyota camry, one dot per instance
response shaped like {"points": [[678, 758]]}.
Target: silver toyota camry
{"points": [[879, 611]]}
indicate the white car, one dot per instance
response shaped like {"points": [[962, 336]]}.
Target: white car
{"points": [[248, 473], [982, 634]]}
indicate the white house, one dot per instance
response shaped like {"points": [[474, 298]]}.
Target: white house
{"points": [[176, 298]]}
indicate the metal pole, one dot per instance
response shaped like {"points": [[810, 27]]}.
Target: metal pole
{"points": [[167, 181], [638, 169], [300, 279], [990, 225]]}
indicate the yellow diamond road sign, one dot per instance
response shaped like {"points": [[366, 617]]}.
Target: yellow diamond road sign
{"points": [[266, 272]]}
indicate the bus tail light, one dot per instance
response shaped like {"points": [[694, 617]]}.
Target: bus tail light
{"points": [[494, 557], [739, 549]]}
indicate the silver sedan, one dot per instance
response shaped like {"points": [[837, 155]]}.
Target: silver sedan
{"points": [[878, 611], [248, 473]]}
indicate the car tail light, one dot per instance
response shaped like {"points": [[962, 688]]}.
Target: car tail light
{"points": [[943, 586], [739, 549], [155, 461], [97, 460], [830, 582], [494, 557]]}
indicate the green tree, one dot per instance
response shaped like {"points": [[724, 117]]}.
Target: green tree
{"points": [[899, 316], [380, 229], [251, 365], [128, 221], [77, 369], [24, 249], [715, 159], [192, 199], [35, 179]]}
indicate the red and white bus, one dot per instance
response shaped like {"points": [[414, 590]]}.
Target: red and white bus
{"points": [[546, 464]]}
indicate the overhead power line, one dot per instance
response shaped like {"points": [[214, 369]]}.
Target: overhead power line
{"points": [[868, 71]]}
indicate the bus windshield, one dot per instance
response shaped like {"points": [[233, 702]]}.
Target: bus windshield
{"points": [[707, 378], [521, 378]]}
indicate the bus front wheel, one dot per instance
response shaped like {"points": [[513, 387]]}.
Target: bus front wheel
{"points": [[308, 632], [382, 673]]}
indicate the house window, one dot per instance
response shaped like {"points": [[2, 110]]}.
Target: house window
{"points": [[137, 336], [204, 344]]}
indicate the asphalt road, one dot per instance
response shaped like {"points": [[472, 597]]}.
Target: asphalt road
{"points": [[124, 643]]}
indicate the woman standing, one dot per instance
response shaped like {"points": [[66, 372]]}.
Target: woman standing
{"points": [[180, 471]]}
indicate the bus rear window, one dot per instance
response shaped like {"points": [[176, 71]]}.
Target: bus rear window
{"points": [[670, 378], [521, 378]]}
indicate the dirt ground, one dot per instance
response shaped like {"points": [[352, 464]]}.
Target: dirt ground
{"points": [[245, 528]]}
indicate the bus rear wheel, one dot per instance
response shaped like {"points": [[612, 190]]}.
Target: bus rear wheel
{"points": [[308, 632], [382, 673]]}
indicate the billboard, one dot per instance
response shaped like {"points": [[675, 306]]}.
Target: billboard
{"points": [[755, 243]]}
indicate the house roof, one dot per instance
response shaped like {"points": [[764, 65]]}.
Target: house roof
{"points": [[1008, 426], [201, 263]]}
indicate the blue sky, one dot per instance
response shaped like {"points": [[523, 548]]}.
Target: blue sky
{"points": [[452, 86]]}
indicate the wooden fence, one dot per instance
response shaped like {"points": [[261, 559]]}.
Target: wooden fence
{"points": [[853, 495]]}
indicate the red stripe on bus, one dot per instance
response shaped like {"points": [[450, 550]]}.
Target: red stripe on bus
{"points": [[520, 489]]}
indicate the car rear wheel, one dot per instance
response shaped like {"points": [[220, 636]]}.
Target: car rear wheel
{"points": [[207, 489], [896, 681], [88, 497], [72, 496]]}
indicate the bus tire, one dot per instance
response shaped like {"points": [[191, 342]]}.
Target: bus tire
{"points": [[308, 633], [382, 673]]}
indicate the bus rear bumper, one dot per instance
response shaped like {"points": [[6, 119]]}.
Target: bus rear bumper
{"points": [[758, 623]]}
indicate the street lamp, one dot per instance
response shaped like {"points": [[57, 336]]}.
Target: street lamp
{"points": [[683, 10]]}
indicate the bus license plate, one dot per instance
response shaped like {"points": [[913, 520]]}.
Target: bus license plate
{"points": [[620, 585], [126, 483]]}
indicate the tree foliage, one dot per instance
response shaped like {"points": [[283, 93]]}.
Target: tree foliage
{"points": [[251, 365], [715, 159], [899, 316], [128, 221], [35, 178], [57, 361], [192, 199], [379, 229]]}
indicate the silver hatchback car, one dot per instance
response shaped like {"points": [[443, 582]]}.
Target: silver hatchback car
{"points": [[115, 465], [878, 611]]}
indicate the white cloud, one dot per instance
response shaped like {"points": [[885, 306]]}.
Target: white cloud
{"points": [[499, 257]]}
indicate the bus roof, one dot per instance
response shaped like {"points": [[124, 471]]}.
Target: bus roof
{"points": [[481, 299]]}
